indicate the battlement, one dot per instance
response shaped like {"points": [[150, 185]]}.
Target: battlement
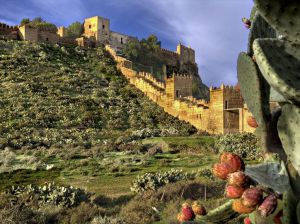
{"points": [[166, 51], [5, 26], [180, 76], [225, 113], [224, 87]]}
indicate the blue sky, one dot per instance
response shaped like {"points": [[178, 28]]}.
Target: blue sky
{"points": [[212, 27]]}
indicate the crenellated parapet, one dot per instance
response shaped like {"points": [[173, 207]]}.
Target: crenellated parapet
{"points": [[224, 113]]}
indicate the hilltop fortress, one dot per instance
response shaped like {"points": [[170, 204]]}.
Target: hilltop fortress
{"points": [[224, 113]]}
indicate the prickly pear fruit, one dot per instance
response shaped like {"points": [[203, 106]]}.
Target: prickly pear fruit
{"points": [[234, 191], [239, 179], [221, 170], [233, 160], [277, 217], [198, 209], [252, 197], [268, 206], [238, 207], [181, 218], [246, 22], [252, 122], [247, 220], [187, 212]]}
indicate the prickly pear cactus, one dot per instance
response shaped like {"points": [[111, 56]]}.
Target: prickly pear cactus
{"points": [[270, 70], [274, 47]]}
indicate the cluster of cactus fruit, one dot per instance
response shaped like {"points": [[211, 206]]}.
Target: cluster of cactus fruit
{"points": [[51, 193], [190, 211], [268, 72], [246, 194]]}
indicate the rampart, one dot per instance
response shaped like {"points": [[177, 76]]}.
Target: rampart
{"points": [[8, 32], [225, 113]]}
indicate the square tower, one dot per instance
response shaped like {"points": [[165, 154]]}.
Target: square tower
{"points": [[97, 27], [179, 86]]}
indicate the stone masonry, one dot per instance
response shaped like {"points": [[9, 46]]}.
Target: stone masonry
{"points": [[225, 113]]}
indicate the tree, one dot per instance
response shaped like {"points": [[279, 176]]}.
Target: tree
{"points": [[132, 50], [25, 21], [74, 30]]}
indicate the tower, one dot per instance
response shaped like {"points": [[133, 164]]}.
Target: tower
{"points": [[179, 86], [97, 27]]}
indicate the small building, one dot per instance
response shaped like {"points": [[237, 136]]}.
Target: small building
{"points": [[29, 33], [98, 28]]}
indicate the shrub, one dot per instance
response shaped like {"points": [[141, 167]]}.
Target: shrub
{"points": [[243, 144], [52, 194], [153, 181], [107, 220]]}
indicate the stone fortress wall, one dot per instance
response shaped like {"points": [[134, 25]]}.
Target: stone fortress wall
{"points": [[225, 113]]}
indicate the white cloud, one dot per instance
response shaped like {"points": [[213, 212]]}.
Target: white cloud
{"points": [[213, 28]]}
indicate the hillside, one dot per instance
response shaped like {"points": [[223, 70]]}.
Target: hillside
{"points": [[53, 95]]}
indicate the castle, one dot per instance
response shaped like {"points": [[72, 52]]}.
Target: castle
{"points": [[224, 113]]}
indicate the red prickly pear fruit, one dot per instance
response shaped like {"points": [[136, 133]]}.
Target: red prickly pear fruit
{"points": [[234, 191], [247, 220], [251, 120], [221, 170], [239, 179], [277, 217], [268, 206], [252, 197], [181, 218], [238, 207], [198, 208], [233, 160], [187, 212], [247, 23]]}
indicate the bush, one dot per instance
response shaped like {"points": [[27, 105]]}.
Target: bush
{"points": [[51, 194], [153, 181], [107, 220], [243, 144]]}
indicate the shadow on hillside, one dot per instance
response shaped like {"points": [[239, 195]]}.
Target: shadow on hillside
{"points": [[107, 202]]}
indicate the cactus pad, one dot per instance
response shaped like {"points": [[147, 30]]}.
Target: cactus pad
{"points": [[283, 16], [221, 214], [259, 29], [288, 129], [253, 13], [270, 174], [276, 97], [254, 88], [279, 62], [289, 207]]}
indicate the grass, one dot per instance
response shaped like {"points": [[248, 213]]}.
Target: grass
{"points": [[191, 141], [99, 175]]}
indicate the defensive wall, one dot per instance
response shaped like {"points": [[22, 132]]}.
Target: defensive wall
{"points": [[225, 113]]}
